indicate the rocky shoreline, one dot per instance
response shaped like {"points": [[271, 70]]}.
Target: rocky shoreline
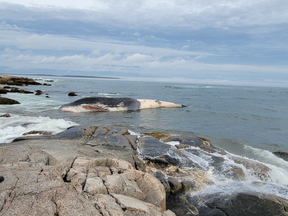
{"points": [[99, 170], [8, 81]]}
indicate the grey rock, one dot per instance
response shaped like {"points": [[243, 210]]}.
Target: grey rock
{"points": [[64, 177], [72, 94], [175, 185], [283, 155], [152, 147], [240, 204], [8, 101], [7, 115]]}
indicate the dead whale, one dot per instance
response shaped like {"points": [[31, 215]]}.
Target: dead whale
{"points": [[101, 104]]}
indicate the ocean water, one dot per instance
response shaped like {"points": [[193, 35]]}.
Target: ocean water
{"points": [[250, 122]]}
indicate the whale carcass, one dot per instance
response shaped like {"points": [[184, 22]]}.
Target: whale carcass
{"points": [[101, 104]]}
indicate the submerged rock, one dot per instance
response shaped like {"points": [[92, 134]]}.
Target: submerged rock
{"points": [[283, 155]]}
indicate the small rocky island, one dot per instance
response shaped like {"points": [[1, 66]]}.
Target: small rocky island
{"points": [[8, 81]]}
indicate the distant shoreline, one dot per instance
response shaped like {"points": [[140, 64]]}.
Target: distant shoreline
{"points": [[76, 76]]}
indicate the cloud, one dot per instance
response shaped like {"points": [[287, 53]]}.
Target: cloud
{"points": [[137, 57], [190, 38], [148, 13], [142, 64], [25, 40]]}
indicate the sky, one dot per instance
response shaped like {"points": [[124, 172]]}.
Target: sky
{"points": [[224, 41]]}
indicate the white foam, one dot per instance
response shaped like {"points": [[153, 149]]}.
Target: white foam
{"points": [[227, 177], [267, 157], [173, 143], [134, 133], [272, 179], [15, 126], [108, 94]]}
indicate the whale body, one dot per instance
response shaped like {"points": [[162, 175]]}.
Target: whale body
{"points": [[102, 104]]}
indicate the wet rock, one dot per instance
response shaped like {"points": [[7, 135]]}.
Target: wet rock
{"points": [[72, 94], [7, 115], [239, 204], [175, 185], [3, 90], [8, 101], [227, 170], [162, 178], [182, 146], [45, 133], [283, 155], [152, 147], [178, 158], [17, 90], [188, 184], [19, 81], [14, 90], [202, 143], [72, 133], [180, 206], [24, 91], [38, 92], [257, 169], [158, 135], [159, 162]]}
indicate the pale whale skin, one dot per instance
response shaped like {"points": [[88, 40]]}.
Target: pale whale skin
{"points": [[102, 104]]}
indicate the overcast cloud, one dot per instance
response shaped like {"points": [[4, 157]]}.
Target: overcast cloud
{"points": [[194, 39]]}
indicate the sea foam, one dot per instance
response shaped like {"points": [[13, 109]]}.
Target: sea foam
{"points": [[16, 126]]}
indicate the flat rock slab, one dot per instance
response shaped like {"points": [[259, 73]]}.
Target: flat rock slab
{"points": [[64, 177], [152, 147]]}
